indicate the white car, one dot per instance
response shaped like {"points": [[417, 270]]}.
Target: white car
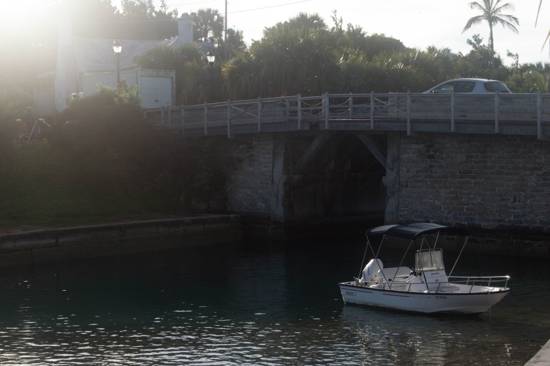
{"points": [[470, 85]]}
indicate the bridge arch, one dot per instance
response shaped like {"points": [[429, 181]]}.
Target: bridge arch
{"points": [[336, 176]]}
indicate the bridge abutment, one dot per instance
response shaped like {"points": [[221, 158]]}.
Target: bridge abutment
{"points": [[482, 181]]}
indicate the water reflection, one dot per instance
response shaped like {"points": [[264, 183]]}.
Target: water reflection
{"points": [[241, 305]]}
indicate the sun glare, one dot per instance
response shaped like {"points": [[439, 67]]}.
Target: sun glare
{"points": [[17, 15]]}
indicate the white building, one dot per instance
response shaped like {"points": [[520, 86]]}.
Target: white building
{"points": [[85, 65]]}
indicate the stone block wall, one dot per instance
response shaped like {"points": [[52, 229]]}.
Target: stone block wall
{"points": [[250, 185], [488, 181]]}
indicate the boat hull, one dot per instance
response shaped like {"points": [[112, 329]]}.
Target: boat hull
{"points": [[427, 303]]}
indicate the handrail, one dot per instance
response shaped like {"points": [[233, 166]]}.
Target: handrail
{"points": [[481, 277], [472, 281], [496, 113]]}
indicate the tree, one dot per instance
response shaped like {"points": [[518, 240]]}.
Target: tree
{"points": [[538, 12], [492, 13], [208, 30], [146, 9], [91, 9], [232, 46], [536, 22], [529, 78], [297, 56], [481, 62], [208, 25]]}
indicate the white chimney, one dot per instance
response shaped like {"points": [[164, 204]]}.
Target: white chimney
{"points": [[185, 30]]}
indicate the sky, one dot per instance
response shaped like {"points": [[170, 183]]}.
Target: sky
{"points": [[418, 23]]}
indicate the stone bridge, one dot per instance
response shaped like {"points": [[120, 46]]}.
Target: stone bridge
{"points": [[479, 160]]}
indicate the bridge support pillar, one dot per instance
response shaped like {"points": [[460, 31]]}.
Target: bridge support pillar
{"points": [[279, 181], [392, 178], [257, 186]]}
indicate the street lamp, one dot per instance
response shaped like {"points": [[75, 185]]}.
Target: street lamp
{"points": [[117, 50], [211, 58]]}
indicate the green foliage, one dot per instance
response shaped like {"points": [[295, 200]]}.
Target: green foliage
{"points": [[233, 46], [297, 56], [302, 55], [208, 29], [146, 9], [208, 24], [14, 113], [101, 160], [530, 78]]}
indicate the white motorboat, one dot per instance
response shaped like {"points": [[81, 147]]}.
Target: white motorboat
{"points": [[426, 289]]}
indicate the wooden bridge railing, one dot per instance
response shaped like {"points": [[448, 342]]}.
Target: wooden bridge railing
{"points": [[510, 114]]}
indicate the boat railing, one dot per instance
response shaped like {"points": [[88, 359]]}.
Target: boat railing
{"points": [[487, 282], [484, 281]]}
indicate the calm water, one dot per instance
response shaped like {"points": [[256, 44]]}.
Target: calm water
{"points": [[255, 304]]}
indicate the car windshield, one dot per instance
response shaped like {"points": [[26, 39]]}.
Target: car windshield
{"points": [[496, 87]]}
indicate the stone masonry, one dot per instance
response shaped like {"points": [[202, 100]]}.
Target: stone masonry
{"points": [[486, 181], [250, 187]]}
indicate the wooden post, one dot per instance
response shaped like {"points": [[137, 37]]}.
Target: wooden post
{"points": [[453, 127], [182, 114], [409, 127], [326, 109], [299, 107], [228, 118], [539, 116], [372, 105], [260, 111], [205, 115], [350, 106], [497, 122], [287, 109]]}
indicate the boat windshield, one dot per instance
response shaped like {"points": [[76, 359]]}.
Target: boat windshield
{"points": [[429, 260]]}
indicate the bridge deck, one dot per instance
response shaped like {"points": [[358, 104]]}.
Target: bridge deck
{"points": [[510, 114]]}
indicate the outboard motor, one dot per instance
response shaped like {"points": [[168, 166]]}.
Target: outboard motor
{"points": [[372, 271]]}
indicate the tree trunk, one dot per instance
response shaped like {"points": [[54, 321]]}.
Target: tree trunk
{"points": [[491, 39]]}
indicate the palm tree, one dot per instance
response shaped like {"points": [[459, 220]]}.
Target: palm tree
{"points": [[536, 22], [538, 13], [492, 13]]}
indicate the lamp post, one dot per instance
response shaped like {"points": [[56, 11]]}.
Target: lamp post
{"points": [[211, 58], [117, 50]]}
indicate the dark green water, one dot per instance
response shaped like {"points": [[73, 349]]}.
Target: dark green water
{"points": [[255, 304]]}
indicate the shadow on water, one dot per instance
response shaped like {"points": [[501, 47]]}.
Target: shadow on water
{"points": [[252, 303]]}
